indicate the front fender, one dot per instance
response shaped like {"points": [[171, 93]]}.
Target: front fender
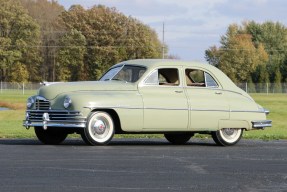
{"points": [[127, 104]]}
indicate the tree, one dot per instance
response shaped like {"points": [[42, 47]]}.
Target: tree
{"points": [[70, 58], [251, 86], [46, 14], [111, 37], [273, 35], [261, 76], [212, 56], [237, 56], [19, 39], [277, 88]]}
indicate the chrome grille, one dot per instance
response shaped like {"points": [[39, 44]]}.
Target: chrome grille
{"points": [[42, 103], [60, 115]]}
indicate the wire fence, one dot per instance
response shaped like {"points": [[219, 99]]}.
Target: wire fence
{"points": [[27, 88], [18, 88]]}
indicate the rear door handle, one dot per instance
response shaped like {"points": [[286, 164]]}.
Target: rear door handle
{"points": [[218, 93]]}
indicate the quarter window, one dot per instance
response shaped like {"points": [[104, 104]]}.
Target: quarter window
{"points": [[199, 78]]}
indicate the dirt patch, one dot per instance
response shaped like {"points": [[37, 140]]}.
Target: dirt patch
{"points": [[14, 106]]}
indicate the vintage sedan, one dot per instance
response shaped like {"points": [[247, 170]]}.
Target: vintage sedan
{"points": [[174, 98]]}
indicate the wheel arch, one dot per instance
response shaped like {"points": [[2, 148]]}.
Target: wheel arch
{"points": [[114, 115], [239, 124]]}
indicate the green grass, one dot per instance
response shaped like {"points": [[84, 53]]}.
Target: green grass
{"points": [[11, 120], [277, 104]]}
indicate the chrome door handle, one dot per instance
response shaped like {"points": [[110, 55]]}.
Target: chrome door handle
{"points": [[218, 93], [178, 91]]}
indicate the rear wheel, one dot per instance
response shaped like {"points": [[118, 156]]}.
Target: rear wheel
{"points": [[227, 136], [178, 139], [100, 129], [50, 136]]}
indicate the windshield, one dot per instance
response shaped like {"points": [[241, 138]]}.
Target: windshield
{"points": [[126, 73]]}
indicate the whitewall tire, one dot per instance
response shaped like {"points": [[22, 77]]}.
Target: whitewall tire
{"points": [[100, 129], [227, 136]]}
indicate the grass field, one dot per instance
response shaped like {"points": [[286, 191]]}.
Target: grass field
{"points": [[11, 120]]}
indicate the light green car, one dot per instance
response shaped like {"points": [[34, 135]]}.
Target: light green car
{"points": [[174, 98]]}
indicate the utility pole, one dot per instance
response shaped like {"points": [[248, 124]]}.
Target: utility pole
{"points": [[163, 47]]}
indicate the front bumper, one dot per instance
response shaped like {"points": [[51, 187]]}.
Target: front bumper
{"points": [[54, 118]]}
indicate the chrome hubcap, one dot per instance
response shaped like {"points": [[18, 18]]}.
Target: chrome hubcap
{"points": [[99, 127], [228, 132]]}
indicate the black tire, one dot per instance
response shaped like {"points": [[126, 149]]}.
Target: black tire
{"points": [[50, 136], [227, 137], [100, 129], [178, 139], [84, 138]]}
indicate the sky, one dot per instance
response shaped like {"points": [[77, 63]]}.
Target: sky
{"points": [[192, 26]]}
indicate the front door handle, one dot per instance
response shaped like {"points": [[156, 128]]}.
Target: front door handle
{"points": [[178, 91]]}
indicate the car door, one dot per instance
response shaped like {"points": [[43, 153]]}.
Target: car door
{"points": [[208, 103], [164, 100]]}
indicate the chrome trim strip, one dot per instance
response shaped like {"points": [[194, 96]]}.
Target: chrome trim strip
{"points": [[213, 110], [49, 111], [171, 109], [122, 107], [245, 111], [111, 107], [55, 124], [177, 109]]}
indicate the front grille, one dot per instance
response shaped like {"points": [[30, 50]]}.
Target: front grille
{"points": [[55, 115], [42, 104]]}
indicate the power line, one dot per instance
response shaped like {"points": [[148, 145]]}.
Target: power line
{"points": [[125, 46]]}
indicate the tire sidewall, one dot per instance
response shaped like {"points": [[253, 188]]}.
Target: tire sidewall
{"points": [[50, 136], [220, 139], [90, 138]]}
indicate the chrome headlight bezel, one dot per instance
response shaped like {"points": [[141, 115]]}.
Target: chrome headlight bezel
{"points": [[30, 102], [67, 102]]}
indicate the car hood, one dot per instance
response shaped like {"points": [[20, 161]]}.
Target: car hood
{"points": [[53, 90]]}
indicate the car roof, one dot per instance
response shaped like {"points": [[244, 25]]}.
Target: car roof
{"points": [[152, 63]]}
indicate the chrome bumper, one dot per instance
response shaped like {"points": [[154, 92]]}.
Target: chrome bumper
{"points": [[54, 118], [261, 124]]}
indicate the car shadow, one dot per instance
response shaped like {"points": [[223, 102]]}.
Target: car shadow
{"points": [[114, 142]]}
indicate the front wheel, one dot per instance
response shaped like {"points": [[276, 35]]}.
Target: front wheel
{"points": [[178, 139], [50, 136], [100, 129], [227, 136]]}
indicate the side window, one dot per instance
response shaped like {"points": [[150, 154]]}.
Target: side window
{"points": [[210, 82], [164, 77], [168, 76], [194, 78], [199, 78]]}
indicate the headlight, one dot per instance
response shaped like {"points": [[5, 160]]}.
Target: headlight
{"points": [[30, 102], [67, 102]]}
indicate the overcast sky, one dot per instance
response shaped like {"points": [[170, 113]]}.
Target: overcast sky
{"points": [[192, 26]]}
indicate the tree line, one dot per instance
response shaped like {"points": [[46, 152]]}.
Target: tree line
{"points": [[252, 52], [40, 40]]}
